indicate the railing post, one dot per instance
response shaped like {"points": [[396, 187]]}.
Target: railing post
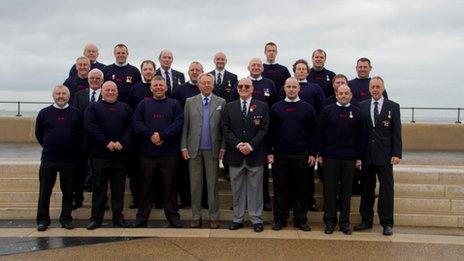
{"points": [[19, 110], [412, 115], [459, 116]]}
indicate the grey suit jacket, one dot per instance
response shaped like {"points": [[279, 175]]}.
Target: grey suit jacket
{"points": [[191, 132]]}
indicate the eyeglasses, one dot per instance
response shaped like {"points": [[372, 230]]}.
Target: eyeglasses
{"points": [[246, 86]]}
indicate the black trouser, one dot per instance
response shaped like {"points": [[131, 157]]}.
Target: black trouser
{"points": [[79, 176], [158, 169], [47, 177], [385, 201], [104, 170], [266, 197], [290, 175], [357, 183], [338, 175], [182, 182]]}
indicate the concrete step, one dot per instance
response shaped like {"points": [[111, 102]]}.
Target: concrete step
{"points": [[402, 205], [415, 219], [29, 184], [416, 174]]}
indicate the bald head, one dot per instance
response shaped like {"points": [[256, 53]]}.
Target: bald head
{"points": [[91, 52], [220, 61], [109, 91], [292, 88], [343, 94], [255, 67]]}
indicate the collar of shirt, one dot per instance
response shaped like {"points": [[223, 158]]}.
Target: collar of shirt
{"points": [[297, 99], [270, 63], [340, 105], [222, 72], [314, 68], [303, 81], [121, 65], [97, 93], [163, 72], [203, 97], [61, 108], [190, 81], [380, 101], [256, 79]]}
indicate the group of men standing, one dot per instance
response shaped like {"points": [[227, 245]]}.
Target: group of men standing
{"points": [[170, 137]]}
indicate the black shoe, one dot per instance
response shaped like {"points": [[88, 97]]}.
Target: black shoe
{"points": [[302, 226], [387, 230], [362, 226], [267, 207], [139, 223], [120, 223], [67, 225], [134, 206], [88, 188], [42, 227], [235, 226], [175, 224], [329, 229], [258, 227], [93, 225], [313, 208], [346, 230], [278, 225], [77, 205]]}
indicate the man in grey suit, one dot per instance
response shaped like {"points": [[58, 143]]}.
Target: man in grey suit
{"points": [[245, 123], [203, 146]]}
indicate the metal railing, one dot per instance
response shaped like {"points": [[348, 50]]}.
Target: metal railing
{"points": [[411, 109], [414, 109]]}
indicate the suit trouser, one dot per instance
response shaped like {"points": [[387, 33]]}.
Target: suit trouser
{"points": [[385, 201], [183, 181], [247, 194], [338, 175], [47, 178], [154, 169], [104, 170], [290, 180], [266, 197], [204, 161]]}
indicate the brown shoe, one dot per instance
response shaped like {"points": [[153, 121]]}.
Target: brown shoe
{"points": [[214, 224], [195, 223]]}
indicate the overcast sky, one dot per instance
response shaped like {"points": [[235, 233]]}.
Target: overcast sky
{"points": [[416, 46]]}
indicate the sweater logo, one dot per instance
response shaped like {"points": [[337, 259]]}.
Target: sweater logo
{"points": [[112, 109], [290, 109], [158, 115], [62, 119], [363, 93], [343, 116]]}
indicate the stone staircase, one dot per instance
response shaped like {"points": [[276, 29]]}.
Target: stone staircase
{"points": [[424, 196]]}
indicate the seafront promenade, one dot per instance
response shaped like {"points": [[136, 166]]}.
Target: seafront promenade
{"points": [[429, 214]]}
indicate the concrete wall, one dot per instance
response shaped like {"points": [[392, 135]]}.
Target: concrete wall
{"points": [[416, 136]]}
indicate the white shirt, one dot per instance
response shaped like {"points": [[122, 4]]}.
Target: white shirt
{"points": [[270, 63], [256, 79], [216, 72], [61, 108], [203, 98], [121, 65], [248, 101], [295, 100], [163, 73], [303, 81], [340, 105], [379, 106], [97, 94]]}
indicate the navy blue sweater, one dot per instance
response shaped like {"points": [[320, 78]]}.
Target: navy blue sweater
{"points": [[185, 91], [105, 122], [73, 70], [277, 73], [293, 128], [341, 133], [360, 89], [124, 77], [310, 93], [75, 84], [138, 92], [324, 79], [163, 116], [263, 90], [58, 132]]}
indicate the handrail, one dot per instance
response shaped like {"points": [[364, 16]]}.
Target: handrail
{"points": [[413, 109]]}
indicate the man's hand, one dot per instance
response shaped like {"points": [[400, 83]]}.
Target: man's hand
{"points": [[320, 159], [117, 146], [185, 154], [110, 146], [244, 148], [358, 164], [270, 159], [155, 138], [395, 160], [311, 161]]}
